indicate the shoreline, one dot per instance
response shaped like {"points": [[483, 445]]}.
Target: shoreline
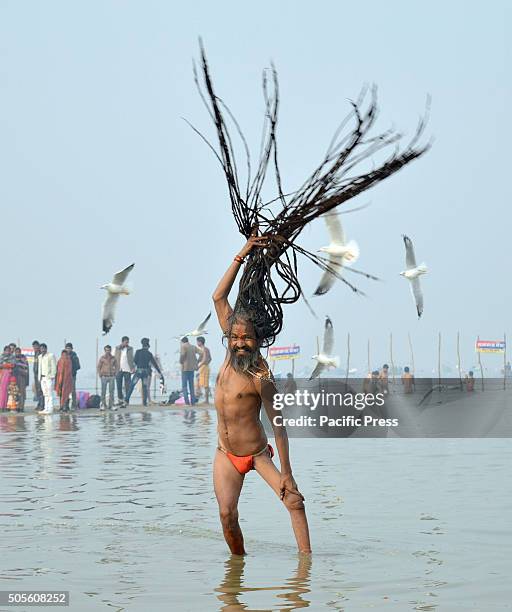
{"points": [[89, 412]]}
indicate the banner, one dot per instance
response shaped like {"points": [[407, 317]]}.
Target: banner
{"points": [[490, 346], [284, 352], [29, 354]]}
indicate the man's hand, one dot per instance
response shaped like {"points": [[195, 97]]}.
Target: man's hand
{"points": [[287, 483], [254, 241]]}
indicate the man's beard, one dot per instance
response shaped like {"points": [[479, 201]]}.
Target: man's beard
{"points": [[245, 361]]}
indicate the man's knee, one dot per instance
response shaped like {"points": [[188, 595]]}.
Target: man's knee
{"points": [[228, 516], [292, 501]]}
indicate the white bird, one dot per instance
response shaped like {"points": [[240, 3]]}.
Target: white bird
{"points": [[114, 289], [341, 253], [412, 273], [324, 358], [200, 330]]}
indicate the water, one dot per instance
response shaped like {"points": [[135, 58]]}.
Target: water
{"points": [[119, 510]]}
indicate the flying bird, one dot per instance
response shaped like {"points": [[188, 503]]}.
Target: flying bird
{"points": [[412, 273], [324, 358], [341, 253], [201, 328], [114, 289]]}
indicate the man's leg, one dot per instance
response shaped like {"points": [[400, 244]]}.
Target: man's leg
{"points": [[73, 394], [119, 382], [103, 390], [46, 385], [267, 470], [184, 381], [193, 399], [135, 379], [110, 383], [227, 482], [145, 388], [127, 383]]}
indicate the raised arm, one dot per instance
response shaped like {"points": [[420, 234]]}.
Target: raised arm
{"points": [[221, 293]]}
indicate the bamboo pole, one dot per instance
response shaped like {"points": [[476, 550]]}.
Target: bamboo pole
{"points": [[154, 377], [439, 359], [391, 357], [458, 359], [480, 364], [505, 361], [412, 354], [96, 364], [348, 359], [293, 368]]}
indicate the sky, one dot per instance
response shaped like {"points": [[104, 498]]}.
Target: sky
{"points": [[100, 170]]}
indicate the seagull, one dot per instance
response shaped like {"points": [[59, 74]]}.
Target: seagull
{"points": [[341, 253], [114, 289], [324, 358], [200, 329], [412, 274]]}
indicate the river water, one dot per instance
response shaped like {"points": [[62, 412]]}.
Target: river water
{"points": [[119, 510]]}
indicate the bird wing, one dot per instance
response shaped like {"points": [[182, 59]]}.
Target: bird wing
{"points": [[410, 258], [318, 369], [335, 229], [109, 308], [328, 279], [418, 295], [328, 338], [202, 325], [120, 277]]}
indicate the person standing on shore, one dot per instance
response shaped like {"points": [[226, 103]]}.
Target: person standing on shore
{"points": [[125, 368], [188, 360], [47, 370], [75, 366], [21, 372], [107, 370], [203, 383], [6, 368], [64, 380], [143, 360], [38, 392], [384, 379], [407, 380]]}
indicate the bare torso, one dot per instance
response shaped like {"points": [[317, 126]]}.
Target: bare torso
{"points": [[238, 405]]}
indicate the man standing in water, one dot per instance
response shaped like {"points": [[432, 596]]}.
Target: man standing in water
{"points": [[243, 384]]}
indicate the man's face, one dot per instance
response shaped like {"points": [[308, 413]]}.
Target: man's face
{"points": [[17, 352], [243, 347], [108, 351], [36, 348], [242, 339], [69, 349], [43, 350], [125, 342]]}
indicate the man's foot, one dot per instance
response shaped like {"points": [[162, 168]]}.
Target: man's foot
{"points": [[45, 411], [114, 407]]}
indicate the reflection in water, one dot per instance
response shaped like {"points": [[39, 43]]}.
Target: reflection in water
{"points": [[232, 587]]}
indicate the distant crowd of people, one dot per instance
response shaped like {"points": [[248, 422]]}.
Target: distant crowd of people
{"points": [[49, 375], [122, 369]]}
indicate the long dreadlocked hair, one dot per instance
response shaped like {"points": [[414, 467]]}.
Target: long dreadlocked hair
{"points": [[328, 186]]}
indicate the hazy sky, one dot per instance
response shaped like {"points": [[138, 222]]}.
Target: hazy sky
{"points": [[99, 170]]}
